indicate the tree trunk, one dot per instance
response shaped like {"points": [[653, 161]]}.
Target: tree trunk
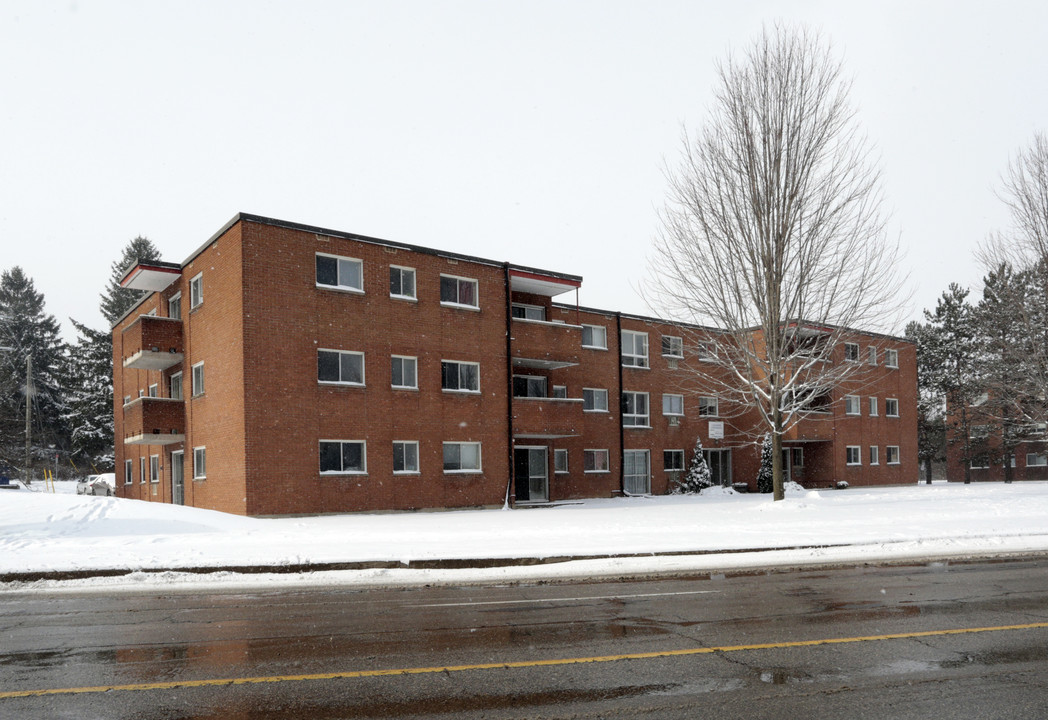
{"points": [[1008, 474], [779, 492], [928, 471]]}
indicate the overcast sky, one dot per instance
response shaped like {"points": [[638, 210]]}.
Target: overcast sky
{"points": [[533, 132]]}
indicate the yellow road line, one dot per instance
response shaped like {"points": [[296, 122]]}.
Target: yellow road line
{"points": [[508, 665]]}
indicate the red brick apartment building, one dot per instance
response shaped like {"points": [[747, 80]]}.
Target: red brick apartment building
{"points": [[287, 369], [986, 456]]}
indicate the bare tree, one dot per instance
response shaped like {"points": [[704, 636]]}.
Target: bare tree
{"points": [[1024, 189], [774, 234]]}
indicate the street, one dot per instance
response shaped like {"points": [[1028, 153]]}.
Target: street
{"points": [[922, 641]]}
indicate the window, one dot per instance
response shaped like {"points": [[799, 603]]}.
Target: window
{"points": [[174, 306], [533, 386], [343, 457], [891, 407], [1036, 460], [874, 455], [340, 272], [560, 461], [673, 460], [595, 336], [852, 455], [528, 312], [460, 376], [705, 350], [196, 291], [891, 454], [635, 409], [871, 355], [891, 358], [198, 379], [594, 400], [141, 470], [851, 352], [873, 407], [127, 399], [405, 372], [405, 456], [175, 387], [154, 390], [851, 404], [980, 462], [979, 432], [708, 407], [461, 457], [634, 349], [672, 347], [636, 472], [672, 404], [340, 366], [154, 468], [458, 291], [595, 461], [401, 282], [199, 463], [560, 392], [129, 472]]}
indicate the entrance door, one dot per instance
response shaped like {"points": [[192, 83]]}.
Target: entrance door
{"points": [[177, 479], [636, 472], [531, 474], [719, 462]]}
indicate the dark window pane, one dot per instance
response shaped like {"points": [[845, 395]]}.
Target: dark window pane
{"points": [[327, 270], [352, 368], [468, 379], [353, 457], [449, 376], [467, 292], [330, 457], [398, 457], [327, 366], [451, 456], [394, 282], [448, 290]]}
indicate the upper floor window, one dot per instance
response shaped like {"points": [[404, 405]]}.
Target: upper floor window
{"points": [[460, 376], [154, 390], [851, 405], [533, 386], [196, 291], [343, 457], [672, 404], [851, 352], [708, 407], [635, 409], [174, 306], [528, 312], [594, 399], [340, 272], [672, 347], [891, 358], [560, 392], [175, 387], [873, 407], [458, 291], [871, 356], [595, 336], [634, 349], [340, 366], [198, 379], [402, 282], [405, 372], [891, 407]]}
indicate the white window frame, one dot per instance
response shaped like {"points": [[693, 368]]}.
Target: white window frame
{"points": [[339, 284], [200, 462], [533, 313], [595, 393], [1043, 460], [460, 364], [154, 390], [129, 472], [852, 405], [888, 407], [591, 454], [676, 453], [875, 453], [340, 381], [174, 300], [631, 419], [671, 399], [633, 358], [154, 468], [196, 291], [852, 352], [873, 407], [458, 292], [363, 457], [198, 380], [403, 271], [676, 347], [891, 359], [142, 470], [705, 405], [461, 470], [560, 392], [560, 461], [405, 444], [175, 381], [871, 355], [889, 451], [850, 452], [593, 330], [393, 360]]}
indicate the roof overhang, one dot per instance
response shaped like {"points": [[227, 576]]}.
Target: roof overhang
{"points": [[536, 283], [541, 364], [542, 436], [153, 276]]}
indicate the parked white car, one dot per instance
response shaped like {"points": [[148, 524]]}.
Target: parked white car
{"points": [[104, 484]]}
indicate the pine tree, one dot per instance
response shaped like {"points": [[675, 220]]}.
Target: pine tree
{"points": [[90, 412], [117, 300], [29, 331], [764, 475], [931, 424], [698, 477]]}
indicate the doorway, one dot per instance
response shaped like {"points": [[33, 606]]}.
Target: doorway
{"points": [[531, 474], [719, 463], [177, 479]]}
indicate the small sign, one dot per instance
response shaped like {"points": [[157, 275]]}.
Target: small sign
{"points": [[716, 430]]}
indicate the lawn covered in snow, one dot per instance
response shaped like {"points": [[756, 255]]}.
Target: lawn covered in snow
{"points": [[44, 531]]}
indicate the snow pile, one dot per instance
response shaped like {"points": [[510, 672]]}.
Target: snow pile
{"points": [[63, 532]]}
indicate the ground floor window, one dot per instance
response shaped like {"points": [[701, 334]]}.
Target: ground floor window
{"points": [[891, 454], [462, 457], [874, 455], [129, 472], [636, 472], [853, 455], [199, 463], [1036, 460], [560, 461], [154, 468], [673, 460], [343, 457], [595, 461]]}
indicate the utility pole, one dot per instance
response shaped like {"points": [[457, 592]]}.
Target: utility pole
{"points": [[28, 417]]}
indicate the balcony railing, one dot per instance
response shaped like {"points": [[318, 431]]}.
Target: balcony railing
{"points": [[154, 421], [817, 427], [153, 343], [546, 418], [545, 345]]}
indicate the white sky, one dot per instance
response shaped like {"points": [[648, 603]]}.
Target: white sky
{"points": [[533, 132]]}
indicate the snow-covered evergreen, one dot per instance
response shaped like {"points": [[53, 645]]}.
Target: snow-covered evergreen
{"points": [[764, 475], [698, 477], [90, 411]]}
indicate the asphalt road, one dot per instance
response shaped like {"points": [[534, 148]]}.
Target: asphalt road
{"points": [[930, 641]]}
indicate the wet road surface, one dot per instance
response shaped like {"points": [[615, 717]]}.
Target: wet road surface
{"points": [[928, 641]]}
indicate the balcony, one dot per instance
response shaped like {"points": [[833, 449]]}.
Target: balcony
{"points": [[544, 345], [546, 418], [153, 343], [815, 428], [154, 421]]}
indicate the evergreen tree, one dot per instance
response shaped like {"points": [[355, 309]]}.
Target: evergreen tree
{"points": [[764, 475], [117, 300], [90, 412], [698, 477], [30, 332], [931, 425]]}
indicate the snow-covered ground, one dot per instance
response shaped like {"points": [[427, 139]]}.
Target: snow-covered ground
{"points": [[44, 531]]}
